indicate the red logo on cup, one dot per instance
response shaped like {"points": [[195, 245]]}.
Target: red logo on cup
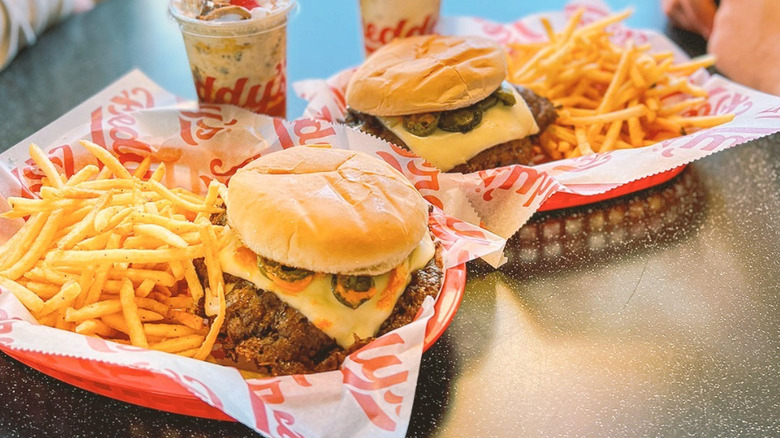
{"points": [[268, 98], [375, 36]]}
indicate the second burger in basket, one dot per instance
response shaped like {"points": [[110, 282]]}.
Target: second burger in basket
{"points": [[445, 99], [330, 248]]}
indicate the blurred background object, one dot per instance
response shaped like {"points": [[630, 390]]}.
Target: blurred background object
{"points": [[22, 21], [742, 34]]}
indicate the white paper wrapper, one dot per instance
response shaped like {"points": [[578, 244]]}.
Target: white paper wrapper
{"points": [[506, 198], [371, 395]]}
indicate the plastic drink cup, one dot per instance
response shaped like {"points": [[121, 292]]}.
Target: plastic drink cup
{"points": [[385, 20], [238, 59]]}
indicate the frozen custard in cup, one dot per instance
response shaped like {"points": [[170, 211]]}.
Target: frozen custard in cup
{"points": [[237, 51]]}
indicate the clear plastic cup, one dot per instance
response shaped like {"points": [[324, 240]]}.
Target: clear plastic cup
{"points": [[385, 20], [240, 62]]}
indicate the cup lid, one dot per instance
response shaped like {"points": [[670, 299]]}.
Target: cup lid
{"points": [[188, 11]]}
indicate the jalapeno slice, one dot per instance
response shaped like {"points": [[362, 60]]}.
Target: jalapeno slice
{"points": [[421, 125], [488, 102], [506, 96], [352, 290], [272, 270], [460, 120]]}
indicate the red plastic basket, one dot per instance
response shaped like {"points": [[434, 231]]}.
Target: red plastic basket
{"points": [[156, 391], [564, 200]]}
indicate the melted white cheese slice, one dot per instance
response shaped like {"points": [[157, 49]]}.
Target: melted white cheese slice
{"points": [[446, 150], [317, 303]]}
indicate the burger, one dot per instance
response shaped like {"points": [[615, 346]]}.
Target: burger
{"points": [[327, 249], [445, 99]]}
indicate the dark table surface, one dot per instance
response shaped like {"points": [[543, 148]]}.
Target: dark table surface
{"points": [[654, 324]]}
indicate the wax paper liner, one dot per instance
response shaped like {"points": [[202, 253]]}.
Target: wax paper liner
{"points": [[507, 197], [372, 393]]}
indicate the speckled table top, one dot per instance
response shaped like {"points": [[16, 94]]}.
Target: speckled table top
{"points": [[655, 314]]}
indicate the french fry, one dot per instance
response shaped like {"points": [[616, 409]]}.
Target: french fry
{"points": [[95, 242], [159, 173], [146, 315], [213, 268], [208, 342], [174, 225], [196, 289], [109, 184], [93, 311], [211, 198], [107, 159], [143, 167], [167, 330], [86, 278], [106, 253], [143, 242], [182, 343], [188, 319], [161, 233], [75, 257], [623, 114], [64, 297], [94, 327], [116, 321], [179, 201], [137, 275], [15, 247], [111, 217], [43, 290], [105, 173], [703, 121], [87, 172], [177, 270], [130, 312], [101, 272], [37, 249], [618, 94], [180, 302], [40, 158], [30, 300], [144, 288], [189, 353], [85, 226], [150, 304]]}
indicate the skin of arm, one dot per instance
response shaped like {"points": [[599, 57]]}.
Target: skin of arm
{"points": [[744, 39], [692, 15]]}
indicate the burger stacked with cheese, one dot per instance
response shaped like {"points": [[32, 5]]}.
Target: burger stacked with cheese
{"points": [[329, 249], [445, 99]]}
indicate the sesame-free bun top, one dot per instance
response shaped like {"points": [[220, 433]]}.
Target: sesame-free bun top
{"points": [[326, 210], [427, 73]]}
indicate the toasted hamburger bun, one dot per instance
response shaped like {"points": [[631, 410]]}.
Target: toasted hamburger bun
{"points": [[428, 73], [326, 210]]}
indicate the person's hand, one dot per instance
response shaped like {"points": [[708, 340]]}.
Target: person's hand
{"points": [[692, 15], [745, 42]]}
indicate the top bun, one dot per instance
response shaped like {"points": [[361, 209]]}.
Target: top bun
{"points": [[327, 210], [426, 74]]}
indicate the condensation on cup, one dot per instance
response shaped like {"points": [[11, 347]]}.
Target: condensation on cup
{"points": [[237, 56], [384, 20]]}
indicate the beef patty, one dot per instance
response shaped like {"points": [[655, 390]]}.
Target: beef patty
{"points": [[262, 333], [519, 151]]}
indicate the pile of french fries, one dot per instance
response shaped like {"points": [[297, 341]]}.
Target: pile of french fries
{"points": [[108, 253], [608, 96]]}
